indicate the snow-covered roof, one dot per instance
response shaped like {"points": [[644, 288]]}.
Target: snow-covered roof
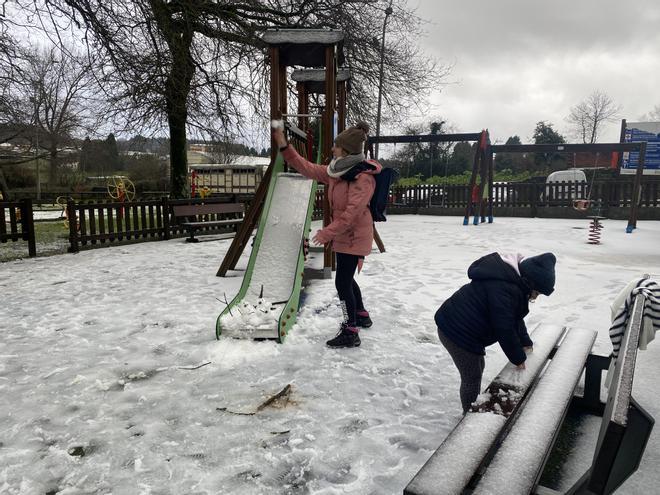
{"points": [[239, 161]]}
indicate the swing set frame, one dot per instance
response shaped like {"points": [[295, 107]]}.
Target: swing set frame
{"points": [[615, 148]]}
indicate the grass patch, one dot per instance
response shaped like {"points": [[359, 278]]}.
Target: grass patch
{"points": [[51, 238]]}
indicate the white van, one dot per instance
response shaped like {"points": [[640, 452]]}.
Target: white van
{"points": [[574, 191]]}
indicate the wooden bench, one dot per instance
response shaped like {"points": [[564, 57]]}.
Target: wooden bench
{"points": [[206, 215], [503, 444]]}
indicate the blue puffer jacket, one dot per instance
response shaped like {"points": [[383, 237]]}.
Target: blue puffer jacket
{"points": [[489, 309]]}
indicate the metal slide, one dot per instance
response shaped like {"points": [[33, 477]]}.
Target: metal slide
{"points": [[267, 303]]}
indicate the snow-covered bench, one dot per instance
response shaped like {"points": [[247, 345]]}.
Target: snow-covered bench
{"points": [[205, 216], [503, 444]]}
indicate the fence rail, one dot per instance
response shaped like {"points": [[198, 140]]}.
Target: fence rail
{"points": [[101, 223], [607, 194], [115, 222], [15, 214]]}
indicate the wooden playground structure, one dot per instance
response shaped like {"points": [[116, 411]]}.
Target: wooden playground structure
{"points": [[309, 49]]}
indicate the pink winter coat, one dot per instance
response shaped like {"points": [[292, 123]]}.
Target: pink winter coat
{"points": [[351, 229]]}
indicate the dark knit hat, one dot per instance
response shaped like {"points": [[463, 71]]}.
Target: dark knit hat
{"points": [[352, 139], [539, 272]]}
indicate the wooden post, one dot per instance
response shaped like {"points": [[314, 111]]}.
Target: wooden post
{"points": [[341, 110], [637, 189], [303, 106], [275, 98], [622, 139], [379, 241], [73, 231], [489, 154], [166, 217], [27, 226], [328, 140]]}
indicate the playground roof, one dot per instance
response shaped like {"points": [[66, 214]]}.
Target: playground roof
{"points": [[305, 47], [314, 79]]}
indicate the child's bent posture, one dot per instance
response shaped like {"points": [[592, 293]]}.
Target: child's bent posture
{"points": [[491, 309]]}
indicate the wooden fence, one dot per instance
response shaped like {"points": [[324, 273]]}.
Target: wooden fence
{"points": [[530, 199], [99, 223], [15, 214]]}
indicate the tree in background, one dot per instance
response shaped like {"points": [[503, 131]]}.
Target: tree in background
{"points": [[544, 133], [515, 163], [652, 116], [425, 160], [588, 117], [197, 65], [53, 86], [100, 156]]}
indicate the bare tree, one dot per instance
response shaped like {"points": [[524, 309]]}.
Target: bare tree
{"points": [[652, 116], [588, 117], [51, 100], [199, 66]]}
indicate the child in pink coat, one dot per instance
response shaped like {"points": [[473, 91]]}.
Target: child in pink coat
{"points": [[350, 182]]}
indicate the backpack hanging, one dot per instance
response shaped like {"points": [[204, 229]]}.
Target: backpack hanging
{"points": [[379, 199]]}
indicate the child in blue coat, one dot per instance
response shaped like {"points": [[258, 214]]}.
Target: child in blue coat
{"points": [[491, 308]]}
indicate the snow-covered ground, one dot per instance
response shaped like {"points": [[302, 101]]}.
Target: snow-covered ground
{"points": [[110, 353]]}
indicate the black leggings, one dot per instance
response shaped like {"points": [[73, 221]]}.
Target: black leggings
{"points": [[470, 368], [350, 296]]}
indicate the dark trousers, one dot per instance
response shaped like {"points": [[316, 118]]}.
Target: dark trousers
{"points": [[470, 368], [349, 292]]}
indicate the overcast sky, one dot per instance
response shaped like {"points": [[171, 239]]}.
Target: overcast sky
{"points": [[517, 62]]}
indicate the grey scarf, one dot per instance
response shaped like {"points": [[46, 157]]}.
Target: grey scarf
{"points": [[339, 166]]}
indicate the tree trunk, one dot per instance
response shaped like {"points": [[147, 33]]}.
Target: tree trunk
{"points": [[4, 188], [176, 119], [177, 88], [52, 167]]}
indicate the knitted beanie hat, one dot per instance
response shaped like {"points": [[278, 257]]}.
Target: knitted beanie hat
{"points": [[539, 272], [352, 139]]}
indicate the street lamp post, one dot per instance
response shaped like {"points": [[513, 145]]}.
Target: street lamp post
{"points": [[36, 144], [388, 12]]}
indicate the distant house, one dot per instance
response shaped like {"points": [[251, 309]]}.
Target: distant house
{"points": [[241, 175]]}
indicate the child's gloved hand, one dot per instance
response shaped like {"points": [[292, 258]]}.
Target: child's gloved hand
{"points": [[322, 237], [521, 366], [528, 349]]}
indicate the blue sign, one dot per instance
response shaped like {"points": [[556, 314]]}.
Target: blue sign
{"points": [[637, 132]]}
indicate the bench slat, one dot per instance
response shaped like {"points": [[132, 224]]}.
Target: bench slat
{"points": [[516, 466], [450, 468], [508, 387], [192, 210], [480, 429], [228, 221]]}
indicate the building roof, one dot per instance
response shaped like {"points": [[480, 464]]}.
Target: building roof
{"points": [[240, 161]]}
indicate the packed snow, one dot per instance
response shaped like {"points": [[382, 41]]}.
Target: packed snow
{"points": [[112, 381]]}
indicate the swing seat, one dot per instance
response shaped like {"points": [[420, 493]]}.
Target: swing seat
{"points": [[581, 204]]}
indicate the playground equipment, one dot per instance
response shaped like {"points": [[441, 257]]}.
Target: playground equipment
{"points": [[639, 147], [62, 201], [594, 229], [306, 48], [267, 303], [120, 188], [482, 166]]}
